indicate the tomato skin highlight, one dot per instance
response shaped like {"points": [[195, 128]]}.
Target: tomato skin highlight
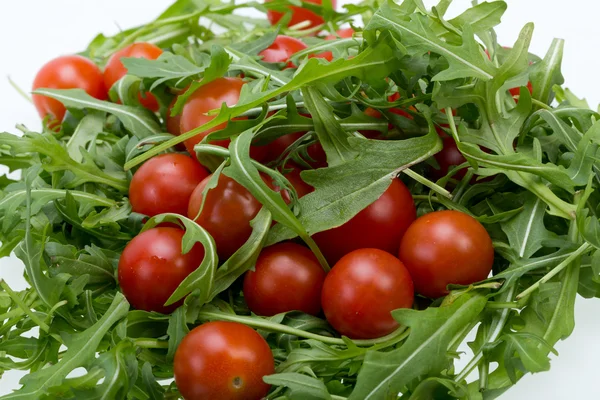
{"points": [[211, 97], [151, 267], [164, 184], [381, 225], [223, 361], [115, 69], [66, 72], [287, 277], [362, 289], [282, 49], [226, 215], [299, 15], [445, 247]]}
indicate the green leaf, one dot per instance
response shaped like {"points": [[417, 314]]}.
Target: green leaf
{"points": [[343, 191], [202, 278], [481, 17], [168, 67], [464, 61], [425, 351], [526, 231], [546, 74], [177, 330], [245, 257], [152, 388], [80, 352], [57, 159], [139, 121], [332, 136], [86, 132], [438, 388], [301, 387], [252, 48]]}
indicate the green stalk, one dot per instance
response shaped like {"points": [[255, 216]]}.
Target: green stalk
{"points": [[259, 323], [19, 302], [584, 248], [427, 183]]}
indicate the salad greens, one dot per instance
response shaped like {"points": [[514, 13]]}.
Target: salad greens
{"points": [[535, 158]]}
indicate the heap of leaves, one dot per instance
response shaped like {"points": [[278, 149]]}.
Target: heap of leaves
{"points": [[68, 217]]}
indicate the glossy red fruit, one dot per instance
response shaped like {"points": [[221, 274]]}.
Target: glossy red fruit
{"points": [[287, 277], [300, 15], [164, 184], [362, 290], [302, 188], [66, 72], [380, 226], [515, 92], [211, 97], [446, 247], [226, 215], [282, 49], [115, 69], [278, 146], [151, 267], [448, 158], [223, 361]]}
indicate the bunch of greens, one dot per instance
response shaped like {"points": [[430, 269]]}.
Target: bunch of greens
{"points": [[68, 217]]}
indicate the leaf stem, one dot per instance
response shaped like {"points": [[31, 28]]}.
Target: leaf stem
{"points": [[19, 302], [580, 251], [146, 343], [317, 252], [540, 104], [427, 183], [261, 323]]}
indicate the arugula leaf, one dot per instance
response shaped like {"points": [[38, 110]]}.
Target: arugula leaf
{"points": [[425, 351], [300, 386], [137, 121]]}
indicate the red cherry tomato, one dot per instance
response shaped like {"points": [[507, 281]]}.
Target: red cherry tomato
{"points": [[211, 97], [448, 158], [282, 50], [344, 33], [66, 72], [287, 277], [515, 92], [115, 69], [152, 267], [278, 146], [223, 361], [381, 225], [361, 291], [173, 121], [164, 184], [226, 215], [446, 247], [302, 188], [300, 14]]}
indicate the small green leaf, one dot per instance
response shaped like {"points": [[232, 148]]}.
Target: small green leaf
{"points": [[301, 387]]}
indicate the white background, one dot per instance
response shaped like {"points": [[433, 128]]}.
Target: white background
{"points": [[33, 32]]}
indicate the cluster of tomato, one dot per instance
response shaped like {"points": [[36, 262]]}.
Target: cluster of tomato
{"points": [[380, 257]]}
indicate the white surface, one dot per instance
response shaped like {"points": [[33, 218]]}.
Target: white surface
{"points": [[33, 32]]}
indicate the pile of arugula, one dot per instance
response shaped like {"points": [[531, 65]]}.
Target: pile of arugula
{"points": [[68, 217]]}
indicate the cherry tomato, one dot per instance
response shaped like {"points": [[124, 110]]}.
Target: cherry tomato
{"points": [[302, 188], [66, 72], [282, 50], [344, 33], [164, 184], [152, 267], [226, 215], [446, 247], [223, 361], [448, 158], [299, 15], [173, 121], [515, 92], [287, 277], [381, 225], [361, 291], [115, 69], [211, 97]]}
